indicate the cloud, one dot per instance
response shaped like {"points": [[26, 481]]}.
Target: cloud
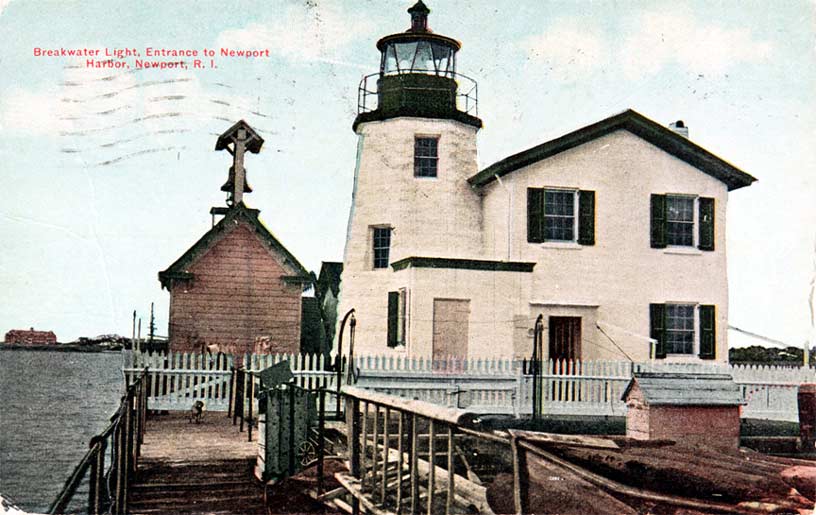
{"points": [[3, 5], [661, 38], [300, 32], [569, 49], [678, 37]]}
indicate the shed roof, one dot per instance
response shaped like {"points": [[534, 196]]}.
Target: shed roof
{"points": [[671, 389], [238, 214], [634, 122]]}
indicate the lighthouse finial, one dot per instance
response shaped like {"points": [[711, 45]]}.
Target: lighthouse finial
{"points": [[419, 17]]}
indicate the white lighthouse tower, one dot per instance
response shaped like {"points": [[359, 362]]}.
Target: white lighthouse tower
{"points": [[416, 149]]}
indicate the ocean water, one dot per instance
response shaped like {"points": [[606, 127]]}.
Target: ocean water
{"points": [[51, 404]]}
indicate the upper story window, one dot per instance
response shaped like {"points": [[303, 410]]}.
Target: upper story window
{"points": [[682, 221], [426, 156], [381, 246], [679, 220], [560, 215]]}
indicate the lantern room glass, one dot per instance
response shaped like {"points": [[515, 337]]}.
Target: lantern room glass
{"points": [[421, 56]]}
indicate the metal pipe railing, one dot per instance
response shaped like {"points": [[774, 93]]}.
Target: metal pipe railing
{"points": [[124, 436]]}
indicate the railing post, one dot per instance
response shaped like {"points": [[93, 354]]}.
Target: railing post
{"points": [[386, 449], [321, 429], [353, 424], [413, 466], [95, 482], [451, 479], [400, 450], [431, 465], [251, 406]]}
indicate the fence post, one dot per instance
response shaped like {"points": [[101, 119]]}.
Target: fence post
{"points": [[353, 424]]}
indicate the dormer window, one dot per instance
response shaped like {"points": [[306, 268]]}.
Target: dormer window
{"points": [[426, 156]]}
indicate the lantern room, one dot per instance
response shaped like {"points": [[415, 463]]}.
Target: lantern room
{"points": [[418, 77]]}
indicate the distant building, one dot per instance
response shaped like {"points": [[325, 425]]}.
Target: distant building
{"points": [[237, 284], [31, 337]]}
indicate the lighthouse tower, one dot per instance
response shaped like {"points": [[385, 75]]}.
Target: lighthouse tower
{"points": [[416, 148]]}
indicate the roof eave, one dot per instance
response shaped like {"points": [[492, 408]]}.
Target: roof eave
{"points": [[662, 137]]}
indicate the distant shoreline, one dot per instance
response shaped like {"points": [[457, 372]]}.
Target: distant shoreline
{"points": [[67, 347]]}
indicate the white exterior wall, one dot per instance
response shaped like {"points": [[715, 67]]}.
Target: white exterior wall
{"points": [[615, 280], [437, 217]]}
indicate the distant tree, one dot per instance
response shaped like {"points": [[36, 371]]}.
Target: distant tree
{"points": [[758, 355]]}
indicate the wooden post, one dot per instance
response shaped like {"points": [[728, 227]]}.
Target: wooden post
{"points": [[364, 445], [386, 449], [291, 429], [353, 424], [251, 406], [431, 465], [321, 429], [413, 467], [374, 453], [520, 479], [400, 451], [451, 484], [97, 475]]}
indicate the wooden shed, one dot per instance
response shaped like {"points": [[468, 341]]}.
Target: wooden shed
{"points": [[237, 283], [694, 409]]}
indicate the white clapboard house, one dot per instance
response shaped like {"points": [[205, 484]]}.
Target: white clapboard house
{"points": [[614, 232]]}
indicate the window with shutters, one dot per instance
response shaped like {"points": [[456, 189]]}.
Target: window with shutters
{"points": [[560, 215], [682, 221], [679, 220], [426, 156], [381, 239], [683, 330], [680, 329]]}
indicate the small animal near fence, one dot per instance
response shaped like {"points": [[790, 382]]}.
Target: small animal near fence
{"points": [[108, 466], [483, 386]]}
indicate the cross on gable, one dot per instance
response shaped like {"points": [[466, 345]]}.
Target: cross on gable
{"points": [[237, 140]]}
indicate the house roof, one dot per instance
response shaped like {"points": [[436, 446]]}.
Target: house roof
{"points": [[330, 276], [634, 122], [240, 214], [671, 389]]}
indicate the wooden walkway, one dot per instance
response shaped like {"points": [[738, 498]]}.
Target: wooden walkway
{"points": [[201, 468]]}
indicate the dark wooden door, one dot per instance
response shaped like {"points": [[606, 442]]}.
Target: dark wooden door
{"points": [[565, 338]]}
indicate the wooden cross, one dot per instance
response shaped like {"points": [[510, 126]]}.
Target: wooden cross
{"points": [[237, 140]]}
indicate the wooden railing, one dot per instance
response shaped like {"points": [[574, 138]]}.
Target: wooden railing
{"points": [[109, 478], [388, 437]]}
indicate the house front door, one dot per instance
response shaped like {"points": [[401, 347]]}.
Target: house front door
{"points": [[565, 338], [450, 330]]}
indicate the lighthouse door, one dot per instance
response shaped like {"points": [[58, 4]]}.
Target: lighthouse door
{"points": [[565, 338], [450, 330]]}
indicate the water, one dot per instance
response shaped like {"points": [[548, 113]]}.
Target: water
{"points": [[51, 404]]}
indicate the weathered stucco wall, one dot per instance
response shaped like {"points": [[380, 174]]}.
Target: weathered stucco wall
{"points": [[621, 274]]}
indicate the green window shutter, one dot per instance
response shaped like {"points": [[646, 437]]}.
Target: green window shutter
{"points": [[535, 215], [708, 332], [658, 217], [586, 217], [393, 313], [706, 218], [657, 328]]}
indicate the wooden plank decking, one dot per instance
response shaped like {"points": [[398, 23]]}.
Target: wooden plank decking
{"points": [[195, 468]]}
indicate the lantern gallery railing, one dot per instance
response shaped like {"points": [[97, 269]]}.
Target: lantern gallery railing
{"points": [[409, 90]]}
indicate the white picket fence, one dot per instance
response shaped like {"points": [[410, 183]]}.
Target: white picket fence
{"points": [[485, 386]]}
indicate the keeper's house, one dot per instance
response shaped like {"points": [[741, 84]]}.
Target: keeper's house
{"points": [[614, 232]]}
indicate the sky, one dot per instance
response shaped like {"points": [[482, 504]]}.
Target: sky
{"points": [[110, 173]]}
